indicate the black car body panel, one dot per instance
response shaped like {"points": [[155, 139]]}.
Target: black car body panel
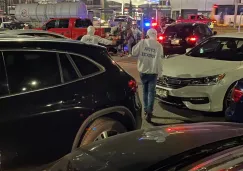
{"points": [[234, 112], [40, 125], [182, 31], [139, 150]]}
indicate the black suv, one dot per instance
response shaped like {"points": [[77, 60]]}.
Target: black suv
{"points": [[56, 95], [178, 37]]}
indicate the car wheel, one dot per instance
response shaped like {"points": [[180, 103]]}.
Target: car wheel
{"points": [[102, 128], [227, 98]]}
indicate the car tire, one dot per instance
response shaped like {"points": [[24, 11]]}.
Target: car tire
{"points": [[227, 95], [100, 128]]}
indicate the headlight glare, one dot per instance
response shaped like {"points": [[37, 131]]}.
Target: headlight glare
{"points": [[211, 80]]}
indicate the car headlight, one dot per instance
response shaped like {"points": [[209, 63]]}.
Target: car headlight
{"points": [[211, 80]]}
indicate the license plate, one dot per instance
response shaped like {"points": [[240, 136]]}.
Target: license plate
{"points": [[162, 93], [175, 42]]}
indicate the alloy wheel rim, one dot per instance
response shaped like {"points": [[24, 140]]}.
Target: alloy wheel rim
{"points": [[106, 134]]}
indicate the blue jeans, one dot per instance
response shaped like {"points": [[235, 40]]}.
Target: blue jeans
{"points": [[149, 84]]}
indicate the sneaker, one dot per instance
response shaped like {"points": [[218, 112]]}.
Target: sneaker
{"points": [[148, 117], [129, 55]]}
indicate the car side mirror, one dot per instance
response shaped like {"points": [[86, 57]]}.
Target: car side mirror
{"points": [[215, 32], [188, 49]]}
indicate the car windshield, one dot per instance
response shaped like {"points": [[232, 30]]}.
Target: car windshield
{"points": [[219, 48], [180, 30]]}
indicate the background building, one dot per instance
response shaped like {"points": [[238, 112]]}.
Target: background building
{"points": [[185, 7]]}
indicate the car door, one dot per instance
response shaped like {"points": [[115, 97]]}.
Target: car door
{"points": [[38, 117], [60, 26], [80, 28]]}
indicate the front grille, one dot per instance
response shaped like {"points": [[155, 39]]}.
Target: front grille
{"points": [[173, 82]]}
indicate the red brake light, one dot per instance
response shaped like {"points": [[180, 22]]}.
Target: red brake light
{"points": [[154, 24], [236, 95], [132, 84], [192, 39], [161, 37]]}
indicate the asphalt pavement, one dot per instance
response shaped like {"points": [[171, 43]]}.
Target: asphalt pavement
{"points": [[166, 114]]}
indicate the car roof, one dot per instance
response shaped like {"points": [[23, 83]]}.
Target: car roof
{"points": [[159, 143], [186, 24], [23, 38], [29, 31], [10, 36], [231, 35]]}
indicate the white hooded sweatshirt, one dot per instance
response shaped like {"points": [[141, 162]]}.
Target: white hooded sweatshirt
{"points": [[91, 38], [150, 53]]}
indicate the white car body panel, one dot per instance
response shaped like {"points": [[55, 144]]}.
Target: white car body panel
{"points": [[184, 66]]}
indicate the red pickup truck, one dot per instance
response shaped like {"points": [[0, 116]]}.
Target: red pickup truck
{"points": [[193, 18], [74, 28]]}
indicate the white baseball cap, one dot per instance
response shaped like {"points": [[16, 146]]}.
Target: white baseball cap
{"points": [[152, 33]]}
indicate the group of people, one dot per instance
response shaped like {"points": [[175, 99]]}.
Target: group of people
{"points": [[149, 53], [121, 35]]}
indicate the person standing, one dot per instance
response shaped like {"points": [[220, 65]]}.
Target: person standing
{"points": [[136, 33], [130, 40], [150, 53], [91, 38]]}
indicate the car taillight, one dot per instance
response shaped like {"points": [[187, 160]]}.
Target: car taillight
{"points": [[154, 24], [161, 38], [192, 39], [132, 84], [236, 95]]}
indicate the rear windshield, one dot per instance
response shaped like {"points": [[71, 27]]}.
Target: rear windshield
{"points": [[120, 19], [180, 30]]}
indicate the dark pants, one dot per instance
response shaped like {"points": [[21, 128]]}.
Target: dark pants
{"points": [[149, 84]]}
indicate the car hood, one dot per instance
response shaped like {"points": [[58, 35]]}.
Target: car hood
{"points": [[183, 66], [140, 149]]}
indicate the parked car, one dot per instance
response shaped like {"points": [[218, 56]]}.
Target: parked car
{"points": [[53, 91], [35, 33], [234, 111], [74, 28], [178, 37], [195, 18], [203, 146], [203, 78]]}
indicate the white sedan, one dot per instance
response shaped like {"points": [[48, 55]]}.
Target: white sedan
{"points": [[203, 78]]}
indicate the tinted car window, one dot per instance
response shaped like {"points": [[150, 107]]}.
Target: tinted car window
{"points": [[208, 31], [199, 30], [29, 70], [51, 24], [219, 48], [85, 66], [63, 23], [68, 71], [180, 30], [3, 81], [83, 23]]}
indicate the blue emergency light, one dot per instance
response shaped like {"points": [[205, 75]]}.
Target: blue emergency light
{"points": [[147, 24]]}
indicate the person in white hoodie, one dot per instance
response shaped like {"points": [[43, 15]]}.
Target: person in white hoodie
{"points": [[150, 53], [91, 38]]}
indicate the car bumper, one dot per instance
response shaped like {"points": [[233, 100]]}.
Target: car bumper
{"points": [[201, 98]]}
